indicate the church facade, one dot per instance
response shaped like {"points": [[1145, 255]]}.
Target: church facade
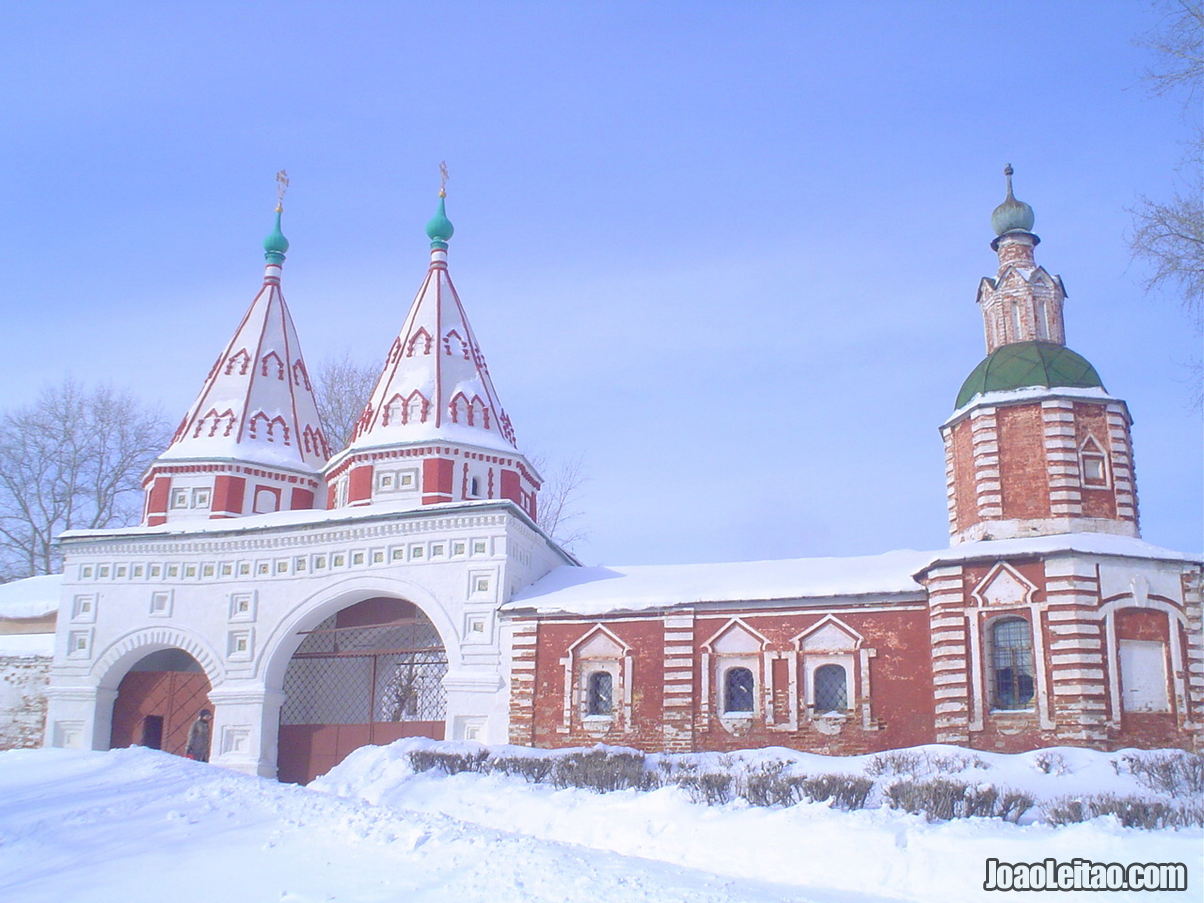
{"points": [[319, 599]]}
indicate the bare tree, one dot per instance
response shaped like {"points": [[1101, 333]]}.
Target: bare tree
{"points": [[73, 459], [341, 389], [1169, 236], [559, 512]]}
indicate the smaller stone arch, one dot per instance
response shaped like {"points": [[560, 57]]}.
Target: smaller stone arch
{"points": [[124, 652]]}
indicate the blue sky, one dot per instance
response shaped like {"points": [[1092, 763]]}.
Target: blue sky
{"points": [[725, 252]]}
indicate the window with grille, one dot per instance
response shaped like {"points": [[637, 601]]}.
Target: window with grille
{"points": [[600, 693], [831, 689], [738, 691], [1012, 663]]}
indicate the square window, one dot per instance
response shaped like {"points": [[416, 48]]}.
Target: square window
{"points": [[227, 569], [244, 569], [263, 568], [179, 498], [1093, 469], [378, 556], [121, 570], [437, 550], [200, 498], [156, 570], [139, 570], [207, 570], [160, 602], [416, 552], [407, 479], [398, 553], [386, 481], [299, 564], [104, 570], [190, 570], [480, 585], [458, 548], [319, 562], [357, 558], [337, 561], [84, 608], [173, 570], [282, 566], [86, 571], [478, 547]]}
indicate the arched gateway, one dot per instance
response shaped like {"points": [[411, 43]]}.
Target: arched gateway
{"points": [[368, 674], [157, 701]]}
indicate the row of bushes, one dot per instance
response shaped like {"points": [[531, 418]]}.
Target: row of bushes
{"points": [[909, 783]]}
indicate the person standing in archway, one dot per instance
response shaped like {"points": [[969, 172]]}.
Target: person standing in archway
{"points": [[198, 737]]}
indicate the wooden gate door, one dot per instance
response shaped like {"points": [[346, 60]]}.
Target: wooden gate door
{"points": [[173, 696]]}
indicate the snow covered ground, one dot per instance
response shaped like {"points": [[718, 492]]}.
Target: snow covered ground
{"points": [[137, 825]]}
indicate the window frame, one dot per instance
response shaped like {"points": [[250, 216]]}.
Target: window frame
{"points": [[1000, 701]]}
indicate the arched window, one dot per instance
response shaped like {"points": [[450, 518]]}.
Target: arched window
{"points": [[738, 691], [831, 689], [601, 694], [1012, 663]]}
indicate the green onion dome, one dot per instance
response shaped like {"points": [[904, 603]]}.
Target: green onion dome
{"points": [[275, 245], [439, 228], [1025, 364]]}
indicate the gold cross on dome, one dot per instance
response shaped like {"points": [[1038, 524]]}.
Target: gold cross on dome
{"points": [[442, 178], [281, 188]]}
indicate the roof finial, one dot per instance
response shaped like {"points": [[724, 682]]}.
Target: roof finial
{"points": [[439, 229], [276, 244], [281, 189], [1012, 215]]}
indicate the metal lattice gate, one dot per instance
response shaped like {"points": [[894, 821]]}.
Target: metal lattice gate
{"points": [[351, 683]]}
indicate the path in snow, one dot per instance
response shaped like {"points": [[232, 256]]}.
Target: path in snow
{"points": [[135, 825]]}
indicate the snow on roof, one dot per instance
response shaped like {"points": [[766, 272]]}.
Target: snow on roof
{"points": [[300, 518], [1087, 543], [1030, 393], [23, 645], [593, 590], [32, 597], [598, 590]]}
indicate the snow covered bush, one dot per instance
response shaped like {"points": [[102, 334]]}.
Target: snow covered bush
{"points": [[1130, 811], [603, 770], [1175, 772], [449, 762], [943, 799], [846, 791]]}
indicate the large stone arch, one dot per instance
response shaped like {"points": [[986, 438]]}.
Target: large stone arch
{"points": [[336, 698], [285, 637]]}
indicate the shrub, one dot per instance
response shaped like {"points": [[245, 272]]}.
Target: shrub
{"points": [[1050, 762], [1130, 811], [711, 789], [944, 799], [769, 785], [846, 791], [895, 762], [603, 771], [447, 762], [1175, 773], [534, 768]]}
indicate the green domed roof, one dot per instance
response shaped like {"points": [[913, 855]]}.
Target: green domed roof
{"points": [[275, 245], [1023, 364], [439, 228]]}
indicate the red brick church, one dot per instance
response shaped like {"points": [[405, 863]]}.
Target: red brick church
{"points": [[318, 599]]}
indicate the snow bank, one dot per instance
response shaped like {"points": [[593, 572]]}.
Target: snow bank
{"points": [[810, 846], [33, 597]]}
